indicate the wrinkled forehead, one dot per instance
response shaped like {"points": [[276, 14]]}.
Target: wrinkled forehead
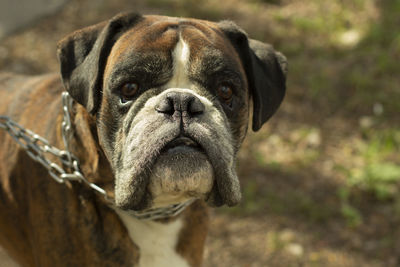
{"points": [[155, 37]]}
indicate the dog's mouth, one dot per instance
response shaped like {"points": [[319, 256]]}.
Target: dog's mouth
{"points": [[182, 143]]}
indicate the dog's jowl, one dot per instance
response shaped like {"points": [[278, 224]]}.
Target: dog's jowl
{"points": [[160, 108]]}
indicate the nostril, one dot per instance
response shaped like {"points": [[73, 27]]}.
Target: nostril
{"points": [[165, 106], [195, 106]]}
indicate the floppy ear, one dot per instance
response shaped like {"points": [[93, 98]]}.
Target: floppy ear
{"points": [[265, 69], [83, 55]]}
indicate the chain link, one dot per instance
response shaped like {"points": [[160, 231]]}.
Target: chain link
{"points": [[37, 148], [161, 213]]}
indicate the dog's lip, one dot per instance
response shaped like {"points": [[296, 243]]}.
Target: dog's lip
{"points": [[182, 141]]}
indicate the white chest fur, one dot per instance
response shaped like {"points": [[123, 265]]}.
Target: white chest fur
{"points": [[157, 241]]}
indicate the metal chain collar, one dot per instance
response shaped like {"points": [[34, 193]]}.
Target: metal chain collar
{"points": [[37, 148]]}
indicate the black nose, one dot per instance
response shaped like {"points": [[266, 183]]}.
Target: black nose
{"points": [[178, 104]]}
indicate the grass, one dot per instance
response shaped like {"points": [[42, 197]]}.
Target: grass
{"points": [[380, 173]]}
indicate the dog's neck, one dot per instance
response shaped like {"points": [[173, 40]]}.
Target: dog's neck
{"points": [[157, 240]]}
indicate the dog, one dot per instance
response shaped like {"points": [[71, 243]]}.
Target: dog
{"points": [[161, 107]]}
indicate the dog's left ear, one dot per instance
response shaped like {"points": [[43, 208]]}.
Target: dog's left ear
{"points": [[83, 55], [266, 71]]}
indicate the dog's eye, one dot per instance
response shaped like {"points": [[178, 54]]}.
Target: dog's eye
{"points": [[225, 93], [128, 91]]}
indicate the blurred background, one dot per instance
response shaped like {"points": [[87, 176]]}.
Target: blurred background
{"points": [[321, 180]]}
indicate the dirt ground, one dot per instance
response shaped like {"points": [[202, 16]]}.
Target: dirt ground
{"points": [[299, 208]]}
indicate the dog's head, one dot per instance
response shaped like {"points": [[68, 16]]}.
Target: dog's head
{"points": [[171, 97]]}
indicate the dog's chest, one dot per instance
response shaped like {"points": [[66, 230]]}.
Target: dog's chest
{"points": [[156, 241]]}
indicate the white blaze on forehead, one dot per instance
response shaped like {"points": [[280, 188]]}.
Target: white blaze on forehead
{"points": [[182, 50], [180, 56]]}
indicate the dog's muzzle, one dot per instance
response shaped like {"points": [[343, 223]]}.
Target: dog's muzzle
{"points": [[178, 147]]}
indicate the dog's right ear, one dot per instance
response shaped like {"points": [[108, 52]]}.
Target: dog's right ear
{"points": [[83, 55]]}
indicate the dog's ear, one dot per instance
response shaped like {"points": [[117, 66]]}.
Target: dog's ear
{"points": [[266, 72], [83, 55]]}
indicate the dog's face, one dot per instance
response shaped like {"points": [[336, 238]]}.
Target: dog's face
{"points": [[171, 97]]}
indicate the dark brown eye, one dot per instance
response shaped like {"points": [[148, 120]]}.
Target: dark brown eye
{"points": [[225, 93], [128, 91]]}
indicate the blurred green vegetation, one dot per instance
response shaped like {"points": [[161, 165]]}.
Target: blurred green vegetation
{"points": [[344, 65]]}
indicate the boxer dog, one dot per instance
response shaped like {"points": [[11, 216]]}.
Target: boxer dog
{"points": [[161, 107]]}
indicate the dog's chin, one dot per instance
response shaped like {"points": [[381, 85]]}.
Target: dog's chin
{"points": [[180, 173]]}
